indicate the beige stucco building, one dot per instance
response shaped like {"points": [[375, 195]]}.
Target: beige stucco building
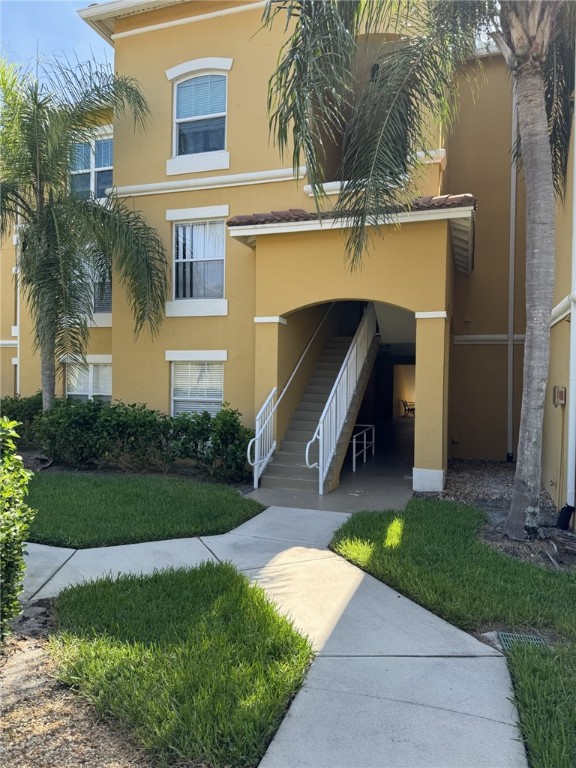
{"points": [[258, 301]]}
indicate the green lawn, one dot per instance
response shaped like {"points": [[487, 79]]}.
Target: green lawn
{"points": [[431, 554], [79, 510], [197, 662]]}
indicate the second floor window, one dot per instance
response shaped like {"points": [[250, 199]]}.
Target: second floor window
{"points": [[91, 173], [201, 115], [199, 260], [102, 297]]}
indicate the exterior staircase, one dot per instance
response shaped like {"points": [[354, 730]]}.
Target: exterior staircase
{"points": [[288, 468]]}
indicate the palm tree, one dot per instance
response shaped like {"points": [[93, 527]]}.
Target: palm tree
{"points": [[67, 244], [382, 125]]}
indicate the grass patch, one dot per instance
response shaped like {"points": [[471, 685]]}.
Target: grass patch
{"points": [[431, 553], [197, 661], [83, 510]]}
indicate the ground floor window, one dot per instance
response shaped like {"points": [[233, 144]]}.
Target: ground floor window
{"points": [[92, 381], [197, 387]]}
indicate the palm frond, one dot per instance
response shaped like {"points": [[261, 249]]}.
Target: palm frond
{"points": [[559, 89], [56, 281], [85, 91], [311, 90], [395, 115], [120, 242]]}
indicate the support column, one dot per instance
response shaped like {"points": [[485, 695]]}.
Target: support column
{"points": [[267, 342], [431, 396]]}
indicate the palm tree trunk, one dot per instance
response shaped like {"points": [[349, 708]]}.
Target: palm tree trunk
{"points": [[540, 265], [48, 376]]}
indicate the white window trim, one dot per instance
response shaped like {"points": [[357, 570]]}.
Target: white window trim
{"points": [[200, 161], [103, 132], [197, 308], [194, 66], [91, 359], [197, 214], [196, 355], [101, 320]]}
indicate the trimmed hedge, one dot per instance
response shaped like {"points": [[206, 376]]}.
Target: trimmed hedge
{"points": [[136, 437], [14, 524], [24, 410]]}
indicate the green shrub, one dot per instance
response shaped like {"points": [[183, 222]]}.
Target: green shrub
{"points": [[71, 432], [24, 410], [14, 523], [138, 437], [228, 445]]}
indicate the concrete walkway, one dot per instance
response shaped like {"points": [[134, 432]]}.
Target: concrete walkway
{"points": [[392, 686]]}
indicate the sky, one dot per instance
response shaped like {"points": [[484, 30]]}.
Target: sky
{"points": [[51, 27]]}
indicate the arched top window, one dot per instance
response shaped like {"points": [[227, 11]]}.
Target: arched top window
{"points": [[200, 122]]}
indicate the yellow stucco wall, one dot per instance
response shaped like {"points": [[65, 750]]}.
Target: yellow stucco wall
{"points": [[295, 275], [479, 161], [555, 417]]}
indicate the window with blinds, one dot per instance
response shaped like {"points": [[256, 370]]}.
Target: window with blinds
{"points": [[89, 382], [197, 387], [91, 168], [201, 115], [199, 260]]}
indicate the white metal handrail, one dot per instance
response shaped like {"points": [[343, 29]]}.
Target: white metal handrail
{"points": [[336, 409], [264, 441], [365, 444]]}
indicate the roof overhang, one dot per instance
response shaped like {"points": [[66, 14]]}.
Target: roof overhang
{"points": [[101, 16], [461, 229]]}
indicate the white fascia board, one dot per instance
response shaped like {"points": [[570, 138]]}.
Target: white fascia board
{"points": [[8, 343], [210, 182], [197, 214], [563, 308], [199, 65], [410, 217], [196, 355], [189, 20]]}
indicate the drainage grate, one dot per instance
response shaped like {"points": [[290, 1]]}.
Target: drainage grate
{"points": [[508, 639]]}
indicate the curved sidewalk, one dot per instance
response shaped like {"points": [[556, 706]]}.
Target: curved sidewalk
{"points": [[392, 685]]}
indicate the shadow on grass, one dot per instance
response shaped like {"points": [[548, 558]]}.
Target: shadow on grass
{"points": [[431, 553], [196, 661]]}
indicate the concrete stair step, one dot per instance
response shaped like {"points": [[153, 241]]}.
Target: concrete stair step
{"points": [[292, 459], [291, 484], [311, 406], [300, 435], [293, 471], [315, 397], [318, 389], [296, 447]]}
